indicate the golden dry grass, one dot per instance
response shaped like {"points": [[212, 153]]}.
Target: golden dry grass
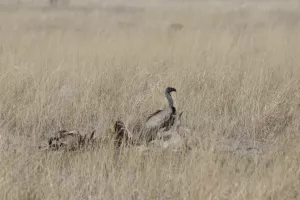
{"points": [[236, 69]]}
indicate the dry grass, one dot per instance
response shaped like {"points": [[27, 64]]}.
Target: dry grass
{"points": [[237, 76]]}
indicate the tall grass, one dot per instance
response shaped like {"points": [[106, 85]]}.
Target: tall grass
{"points": [[237, 77]]}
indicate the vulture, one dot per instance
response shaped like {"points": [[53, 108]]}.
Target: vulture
{"points": [[161, 119], [122, 134], [69, 140]]}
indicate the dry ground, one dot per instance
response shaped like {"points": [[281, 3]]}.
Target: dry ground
{"points": [[236, 67]]}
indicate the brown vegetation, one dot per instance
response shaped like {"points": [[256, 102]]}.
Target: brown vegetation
{"points": [[235, 65]]}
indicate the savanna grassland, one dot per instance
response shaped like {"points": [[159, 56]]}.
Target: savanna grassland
{"points": [[236, 68]]}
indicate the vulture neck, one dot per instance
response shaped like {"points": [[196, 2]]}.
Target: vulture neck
{"points": [[170, 99]]}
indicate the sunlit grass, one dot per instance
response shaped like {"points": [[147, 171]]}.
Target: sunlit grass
{"points": [[237, 79]]}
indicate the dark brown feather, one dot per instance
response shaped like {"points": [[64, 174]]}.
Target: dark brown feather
{"points": [[156, 112]]}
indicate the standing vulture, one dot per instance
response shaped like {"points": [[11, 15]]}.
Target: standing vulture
{"points": [[161, 119]]}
